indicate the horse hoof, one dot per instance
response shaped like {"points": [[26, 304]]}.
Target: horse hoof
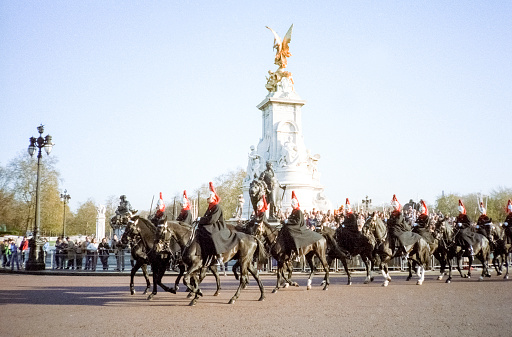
{"points": [[286, 285], [323, 283], [499, 273], [481, 278], [419, 282], [193, 302], [385, 284], [440, 277], [216, 293], [371, 279], [506, 277], [308, 287], [349, 283], [408, 278], [365, 282], [274, 291], [200, 293], [172, 290], [295, 284], [132, 291], [448, 281], [326, 287], [487, 275], [231, 301], [150, 297], [261, 299]]}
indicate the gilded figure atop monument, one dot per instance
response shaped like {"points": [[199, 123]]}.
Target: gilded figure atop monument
{"points": [[282, 52]]}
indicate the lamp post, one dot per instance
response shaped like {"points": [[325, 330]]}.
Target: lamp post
{"points": [[366, 202], [36, 255], [65, 197]]}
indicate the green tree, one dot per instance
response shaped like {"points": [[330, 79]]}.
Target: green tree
{"points": [[84, 221], [497, 203], [447, 204]]}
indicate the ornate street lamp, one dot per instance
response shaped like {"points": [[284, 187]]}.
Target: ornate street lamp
{"points": [[36, 255], [65, 197]]}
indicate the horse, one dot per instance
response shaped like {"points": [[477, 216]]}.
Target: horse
{"points": [[146, 230], [418, 252], [244, 251], [174, 236], [277, 248], [452, 249], [500, 249], [335, 252], [433, 244], [139, 256]]}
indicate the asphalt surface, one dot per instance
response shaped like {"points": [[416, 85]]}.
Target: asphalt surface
{"points": [[60, 304]]}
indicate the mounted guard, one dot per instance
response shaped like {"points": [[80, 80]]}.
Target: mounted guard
{"points": [[185, 214]]}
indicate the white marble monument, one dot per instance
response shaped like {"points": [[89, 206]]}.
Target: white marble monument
{"points": [[282, 142], [100, 223]]}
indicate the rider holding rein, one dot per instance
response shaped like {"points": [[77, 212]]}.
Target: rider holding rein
{"points": [[160, 211], [465, 237], [259, 217], [508, 221], [484, 223], [422, 224], [397, 227], [294, 231], [185, 214], [213, 235], [349, 233]]}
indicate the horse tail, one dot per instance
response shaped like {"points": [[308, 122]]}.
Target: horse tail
{"points": [[425, 253], [260, 251]]}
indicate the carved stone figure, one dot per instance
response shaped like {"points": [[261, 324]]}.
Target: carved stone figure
{"points": [[240, 207], [289, 153], [253, 164], [101, 210]]}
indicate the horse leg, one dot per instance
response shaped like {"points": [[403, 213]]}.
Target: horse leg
{"points": [[181, 267], [385, 271], [132, 275], [309, 259], [326, 281], [409, 268], [254, 273], [470, 265], [144, 268], [279, 274], [235, 268], [506, 261], [345, 267], [244, 264], [194, 288], [154, 269], [215, 273], [421, 274]]}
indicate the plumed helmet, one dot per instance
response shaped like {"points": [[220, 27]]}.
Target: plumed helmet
{"points": [[423, 207], [295, 201], [396, 205], [262, 204], [461, 208], [482, 209], [213, 195], [348, 208]]}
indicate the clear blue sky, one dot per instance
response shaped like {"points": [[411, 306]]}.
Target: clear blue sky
{"points": [[403, 97]]}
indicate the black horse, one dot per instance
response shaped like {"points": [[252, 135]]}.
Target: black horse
{"points": [[159, 261], [335, 252], [139, 256], [418, 252], [452, 249], [277, 248], [244, 251], [500, 248], [174, 237]]}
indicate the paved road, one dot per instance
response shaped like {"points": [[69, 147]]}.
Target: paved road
{"points": [[50, 305]]}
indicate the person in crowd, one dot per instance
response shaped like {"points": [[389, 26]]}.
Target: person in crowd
{"points": [[294, 231], [79, 254], [185, 214], [104, 252], [23, 250], [92, 254], [213, 235], [63, 253], [85, 244], [2, 253], [7, 253], [14, 255], [58, 254], [117, 247], [71, 253], [46, 248]]}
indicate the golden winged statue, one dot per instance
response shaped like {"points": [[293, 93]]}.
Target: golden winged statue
{"points": [[281, 47]]}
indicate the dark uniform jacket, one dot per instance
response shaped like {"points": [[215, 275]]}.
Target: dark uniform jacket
{"points": [[422, 227], [213, 234], [508, 229], [465, 236], [295, 233], [185, 216], [348, 236], [398, 229]]}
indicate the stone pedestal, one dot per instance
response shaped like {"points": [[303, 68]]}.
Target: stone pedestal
{"points": [[283, 145], [100, 223]]}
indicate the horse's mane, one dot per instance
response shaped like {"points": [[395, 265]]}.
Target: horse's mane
{"points": [[149, 225]]}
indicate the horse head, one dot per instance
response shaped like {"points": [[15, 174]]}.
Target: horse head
{"points": [[163, 237], [132, 229]]}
